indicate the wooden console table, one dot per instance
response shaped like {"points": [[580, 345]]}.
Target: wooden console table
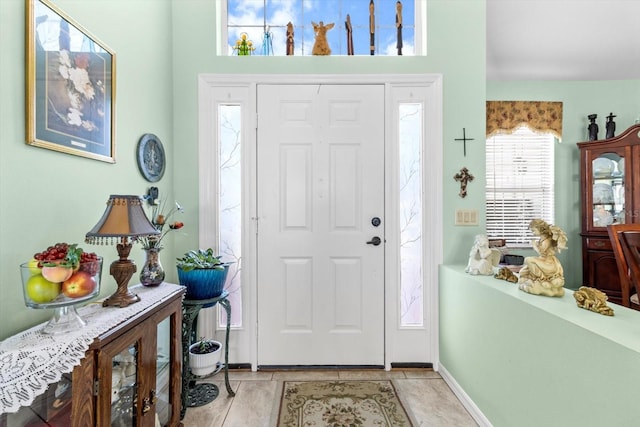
{"points": [[68, 379], [201, 394]]}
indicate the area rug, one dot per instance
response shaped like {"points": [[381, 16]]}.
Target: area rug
{"points": [[341, 404]]}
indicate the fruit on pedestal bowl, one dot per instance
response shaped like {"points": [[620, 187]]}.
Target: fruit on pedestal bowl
{"points": [[79, 275], [41, 290], [80, 284], [61, 275]]}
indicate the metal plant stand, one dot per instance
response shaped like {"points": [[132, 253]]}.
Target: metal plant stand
{"points": [[200, 394]]}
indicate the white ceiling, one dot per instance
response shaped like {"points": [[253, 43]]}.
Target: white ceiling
{"points": [[563, 39]]}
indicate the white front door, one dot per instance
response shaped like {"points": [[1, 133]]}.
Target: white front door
{"points": [[320, 189]]}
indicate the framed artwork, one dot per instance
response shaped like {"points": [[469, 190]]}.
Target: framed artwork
{"points": [[70, 86]]}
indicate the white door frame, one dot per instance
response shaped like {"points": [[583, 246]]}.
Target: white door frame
{"points": [[216, 88]]}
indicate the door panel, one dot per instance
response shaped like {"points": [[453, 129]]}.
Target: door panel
{"points": [[320, 181]]}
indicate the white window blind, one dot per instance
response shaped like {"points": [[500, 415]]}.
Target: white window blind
{"points": [[520, 184]]}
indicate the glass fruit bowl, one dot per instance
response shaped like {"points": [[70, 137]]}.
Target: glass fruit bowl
{"points": [[60, 288]]}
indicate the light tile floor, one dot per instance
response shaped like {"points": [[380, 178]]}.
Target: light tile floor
{"points": [[426, 397]]}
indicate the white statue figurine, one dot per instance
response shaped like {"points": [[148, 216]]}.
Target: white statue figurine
{"points": [[128, 362], [482, 258], [117, 378], [543, 275]]}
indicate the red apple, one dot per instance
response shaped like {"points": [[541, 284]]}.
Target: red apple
{"points": [[80, 284]]}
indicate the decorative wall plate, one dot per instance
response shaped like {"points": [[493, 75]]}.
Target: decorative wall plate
{"points": [[621, 166], [602, 193], [150, 156], [602, 218], [603, 167]]}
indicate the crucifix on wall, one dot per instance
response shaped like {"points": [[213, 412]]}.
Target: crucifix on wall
{"points": [[463, 177], [464, 140]]}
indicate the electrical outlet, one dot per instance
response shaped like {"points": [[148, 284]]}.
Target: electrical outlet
{"points": [[466, 217]]}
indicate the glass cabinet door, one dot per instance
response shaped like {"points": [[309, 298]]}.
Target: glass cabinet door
{"points": [[52, 408], [124, 387], [164, 408], [608, 172]]}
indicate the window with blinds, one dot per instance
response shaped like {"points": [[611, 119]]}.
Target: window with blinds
{"points": [[520, 184]]}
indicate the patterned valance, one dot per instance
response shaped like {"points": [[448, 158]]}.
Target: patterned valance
{"points": [[539, 116]]}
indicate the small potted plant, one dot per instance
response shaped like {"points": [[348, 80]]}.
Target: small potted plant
{"points": [[204, 356], [202, 273]]}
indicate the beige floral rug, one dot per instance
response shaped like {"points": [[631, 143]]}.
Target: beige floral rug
{"points": [[341, 404]]}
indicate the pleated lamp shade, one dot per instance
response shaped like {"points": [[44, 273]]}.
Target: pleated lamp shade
{"points": [[123, 217]]}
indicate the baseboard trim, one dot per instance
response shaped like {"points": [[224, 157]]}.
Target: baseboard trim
{"points": [[240, 366], [312, 367], [413, 365], [464, 398]]}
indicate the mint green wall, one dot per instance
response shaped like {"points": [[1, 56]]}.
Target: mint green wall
{"points": [[579, 99], [47, 196], [530, 361]]}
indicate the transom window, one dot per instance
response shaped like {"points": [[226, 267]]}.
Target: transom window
{"points": [[261, 25]]}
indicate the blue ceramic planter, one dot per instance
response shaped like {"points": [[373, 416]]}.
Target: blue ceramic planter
{"points": [[203, 283]]}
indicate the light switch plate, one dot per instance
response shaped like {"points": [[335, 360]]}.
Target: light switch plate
{"points": [[466, 217]]}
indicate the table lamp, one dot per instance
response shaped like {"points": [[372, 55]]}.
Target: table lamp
{"points": [[124, 217]]}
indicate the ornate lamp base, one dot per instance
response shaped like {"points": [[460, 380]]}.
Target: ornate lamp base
{"points": [[122, 270], [121, 298]]}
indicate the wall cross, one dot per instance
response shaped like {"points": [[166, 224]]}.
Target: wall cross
{"points": [[464, 140], [463, 177]]}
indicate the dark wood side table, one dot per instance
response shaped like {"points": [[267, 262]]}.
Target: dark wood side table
{"points": [[200, 394]]}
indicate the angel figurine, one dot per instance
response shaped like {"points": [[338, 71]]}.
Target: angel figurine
{"points": [[482, 258], [543, 274]]}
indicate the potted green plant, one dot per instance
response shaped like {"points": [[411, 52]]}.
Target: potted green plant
{"points": [[202, 273], [204, 356]]}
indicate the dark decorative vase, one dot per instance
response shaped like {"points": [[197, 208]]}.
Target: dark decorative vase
{"points": [[203, 283], [152, 273]]}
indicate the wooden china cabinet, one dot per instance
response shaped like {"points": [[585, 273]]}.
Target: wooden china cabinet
{"points": [[610, 192]]}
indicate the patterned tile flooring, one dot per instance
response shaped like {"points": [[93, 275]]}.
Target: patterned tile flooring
{"points": [[425, 395]]}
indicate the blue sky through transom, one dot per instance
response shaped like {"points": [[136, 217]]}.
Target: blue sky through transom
{"points": [[251, 17]]}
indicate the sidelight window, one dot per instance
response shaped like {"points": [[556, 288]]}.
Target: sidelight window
{"points": [[410, 214], [230, 206]]}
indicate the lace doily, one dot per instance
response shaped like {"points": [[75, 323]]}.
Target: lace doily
{"points": [[31, 360]]}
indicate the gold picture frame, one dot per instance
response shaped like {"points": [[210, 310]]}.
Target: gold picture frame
{"points": [[70, 85]]}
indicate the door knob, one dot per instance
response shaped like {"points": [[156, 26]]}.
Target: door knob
{"points": [[375, 241]]}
